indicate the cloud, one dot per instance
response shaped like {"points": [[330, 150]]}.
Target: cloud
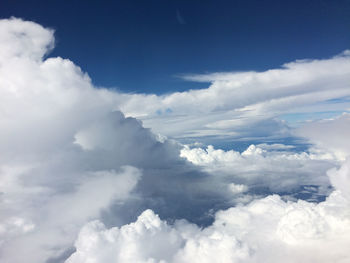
{"points": [[24, 39], [180, 18], [274, 166], [44, 223], [266, 230], [69, 156], [236, 103], [330, 134]]}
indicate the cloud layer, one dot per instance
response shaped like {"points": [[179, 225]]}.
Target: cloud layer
{"points": [[275, 167], [246, 104], [70, 156], [266, 230]]}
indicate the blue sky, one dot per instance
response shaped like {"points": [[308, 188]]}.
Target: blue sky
{"points": [[142, 46]]}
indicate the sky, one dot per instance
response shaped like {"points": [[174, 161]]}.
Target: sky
{"points": [[174, 132], [144, 46]]}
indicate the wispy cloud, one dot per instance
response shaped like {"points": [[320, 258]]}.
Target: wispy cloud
{"points": [[236, 102], [180, 18]]}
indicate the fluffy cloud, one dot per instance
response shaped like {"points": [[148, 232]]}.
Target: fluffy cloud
{"points": [[67, 155], [266, 230], [276, 167], [44, 223], [24, 39], [50, 185], [330, 134]]}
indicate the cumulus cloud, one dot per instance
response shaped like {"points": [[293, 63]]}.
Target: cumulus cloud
{"points": [[330, 134], [275, 167], [266, 230], [67, 154], [46, 222], [24, 39], [50, 185]]}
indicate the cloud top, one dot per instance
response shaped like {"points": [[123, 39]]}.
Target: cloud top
{"points": [[266, 230], [24, 39]]}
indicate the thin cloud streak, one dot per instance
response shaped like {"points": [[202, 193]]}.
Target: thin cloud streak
{"points": [[244, 100]]}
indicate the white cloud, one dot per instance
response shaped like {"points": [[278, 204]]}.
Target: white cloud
{"points": [[64, 149], [264, 166], [23, 40], [237, 188], [331, 134], [245, 104], [266, 230], [135, 242], [49, 185], [49, 220], [69, 156]]}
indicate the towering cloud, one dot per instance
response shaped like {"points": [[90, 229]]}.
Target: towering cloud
{"points": [[67, 154], [49, 184]]}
